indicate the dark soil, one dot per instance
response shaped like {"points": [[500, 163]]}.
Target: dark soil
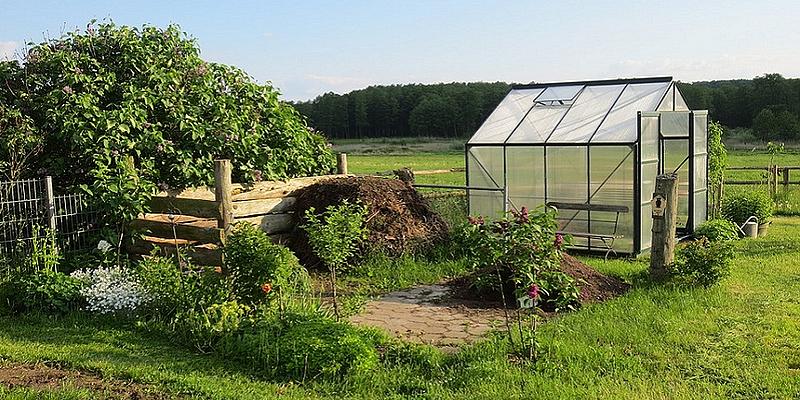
{"points": [[40, 376], [398, 220], [594, 286]]}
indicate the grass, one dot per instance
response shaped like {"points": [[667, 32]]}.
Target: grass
{"points": [[738, 340]]}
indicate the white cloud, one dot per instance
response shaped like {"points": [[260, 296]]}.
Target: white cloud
{"points": [[7, 50]]}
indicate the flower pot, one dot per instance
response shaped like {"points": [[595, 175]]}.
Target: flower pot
{"points": [[762, 228]]}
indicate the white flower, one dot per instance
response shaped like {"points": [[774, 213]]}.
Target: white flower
{"points": [[111, 289], [104, 246]]}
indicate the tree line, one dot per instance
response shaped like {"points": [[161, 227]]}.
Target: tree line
{"points": [[768, 104]]}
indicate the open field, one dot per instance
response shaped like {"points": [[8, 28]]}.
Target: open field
{"points": [[738, 340], [788, 201]]}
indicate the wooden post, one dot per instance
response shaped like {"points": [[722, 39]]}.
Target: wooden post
{"points": [[665, 212], [51, 203], [773, 180], [222, 193], [786, 178], [341, 163]]}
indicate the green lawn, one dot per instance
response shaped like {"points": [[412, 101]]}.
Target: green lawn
{"points": [[738, 340]]}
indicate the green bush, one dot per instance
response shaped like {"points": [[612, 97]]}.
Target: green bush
{"points": [[717, 230], [703, 263], [259, 269], [204, 327], [739, 206], [44, 291], [172, 291], [517, 253], [121, 110]]}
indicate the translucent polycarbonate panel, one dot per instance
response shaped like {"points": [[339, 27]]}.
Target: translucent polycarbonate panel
{"points": [[700, 208], [586, 113], [485, 169], [525, 170], [649, 137], [700, 172], [612, 184], [620, 124], [668, 102], [680, 102], [538, 124], [567, 182], [559, 93], [506, 116], [676, 159], [649, 172], [675, 123], [700, 132]]}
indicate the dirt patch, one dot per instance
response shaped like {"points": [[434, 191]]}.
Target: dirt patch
{"points": [[40, 376], [594, 286], [399, 219]]}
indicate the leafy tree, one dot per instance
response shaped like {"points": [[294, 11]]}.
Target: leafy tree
{"points": [[123, 110]]}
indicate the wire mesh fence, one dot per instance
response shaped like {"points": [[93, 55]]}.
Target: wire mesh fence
{"points": [[30, 212]]}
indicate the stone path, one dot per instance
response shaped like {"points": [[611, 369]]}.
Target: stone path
{"points": [[426, 314]]}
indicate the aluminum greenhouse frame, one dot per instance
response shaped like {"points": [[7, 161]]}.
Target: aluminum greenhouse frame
{"points": [[591, 150]]}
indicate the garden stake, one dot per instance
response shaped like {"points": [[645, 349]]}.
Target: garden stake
{"points": [[505, 305]]}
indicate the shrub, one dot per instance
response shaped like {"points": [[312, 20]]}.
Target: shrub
{"points": [[110, 290], [204, 327], [259, 269], [702, 262], [518, 252], [740, 206], [171, 290], [45, 291], [99, 95], [335, 235], [716, 230]]}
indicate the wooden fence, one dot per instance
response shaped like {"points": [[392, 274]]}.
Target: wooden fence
{"points": [[196, 220], [776, 176]]}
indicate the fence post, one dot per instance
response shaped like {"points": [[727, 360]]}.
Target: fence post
{"points": [[786, 178], [51, 202], [341, 163], [665, 213], [773, 180], [222, 193]]}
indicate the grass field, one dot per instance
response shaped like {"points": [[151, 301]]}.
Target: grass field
{"points": [[788, 201], [738, 340]]}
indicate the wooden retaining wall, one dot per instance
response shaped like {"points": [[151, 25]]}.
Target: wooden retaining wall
{"points": [[196, 220]]}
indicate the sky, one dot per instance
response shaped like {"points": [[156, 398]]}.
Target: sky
{"points": [[306, 48]]}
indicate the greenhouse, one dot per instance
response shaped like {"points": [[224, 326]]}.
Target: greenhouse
{"points": [[591, 150]]}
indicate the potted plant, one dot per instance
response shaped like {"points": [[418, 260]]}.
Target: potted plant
{"points": [[739, 207]]}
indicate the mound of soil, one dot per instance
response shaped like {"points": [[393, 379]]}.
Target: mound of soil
{"points": [[594, 286], [398, 218], [39, 376]]}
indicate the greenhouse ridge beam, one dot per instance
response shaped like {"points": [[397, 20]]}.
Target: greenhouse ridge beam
{"points": [[660, 79]]}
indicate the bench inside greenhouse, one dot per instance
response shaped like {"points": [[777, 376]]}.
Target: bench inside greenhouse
{"points": [[606, 239]]}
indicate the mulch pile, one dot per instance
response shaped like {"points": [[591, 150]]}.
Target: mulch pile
{"points": [[398, 220], [594, 286]]}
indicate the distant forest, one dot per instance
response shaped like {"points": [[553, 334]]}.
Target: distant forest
{"points": [[768, 104]]}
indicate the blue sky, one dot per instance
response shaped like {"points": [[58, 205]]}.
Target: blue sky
{"points": [[306, 48]]}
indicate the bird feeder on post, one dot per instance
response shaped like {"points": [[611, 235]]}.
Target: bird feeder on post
{"points": [[665, 215]]}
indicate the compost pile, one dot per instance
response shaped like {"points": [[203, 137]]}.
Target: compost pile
{"points": [[398, 220]]}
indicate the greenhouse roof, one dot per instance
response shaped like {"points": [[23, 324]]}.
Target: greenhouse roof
{"points": [[577, 112]]}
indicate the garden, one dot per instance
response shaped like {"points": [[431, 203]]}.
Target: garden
{"points": [[378, 290]]}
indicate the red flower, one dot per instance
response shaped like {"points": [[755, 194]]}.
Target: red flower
{"points": [[266, 288], [533, 291]]}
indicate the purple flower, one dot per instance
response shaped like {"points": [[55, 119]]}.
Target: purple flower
{"points": [[67, 89], [522, 216], [160, 148], [533, 291], [559, 241], [257, 176], [475, 220]]}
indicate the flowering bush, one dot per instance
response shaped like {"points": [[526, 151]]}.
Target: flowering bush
{"points": [[518, 252], [110, 289]]}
